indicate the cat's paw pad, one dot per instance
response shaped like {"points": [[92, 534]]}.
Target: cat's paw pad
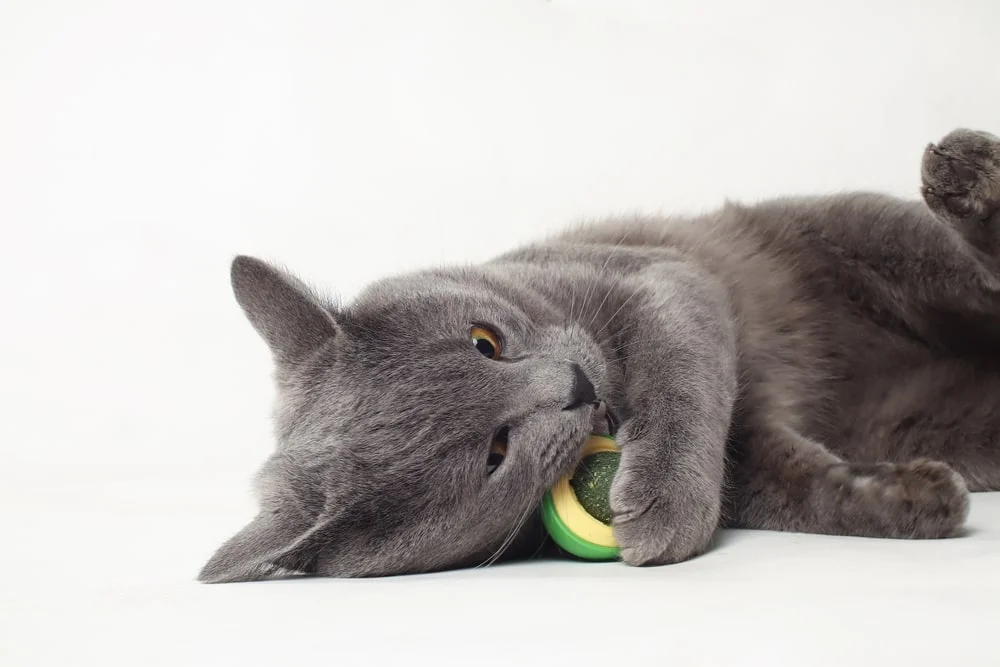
{"points": [[961, 175], [657, 526]]}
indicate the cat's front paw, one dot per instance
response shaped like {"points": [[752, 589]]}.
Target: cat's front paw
{"points": [[657, 521], [961, 175]]}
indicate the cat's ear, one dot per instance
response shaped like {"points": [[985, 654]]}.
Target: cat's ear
{"points": [[270, 545], [287, 315]]}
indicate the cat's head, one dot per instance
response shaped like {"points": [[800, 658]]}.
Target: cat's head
{"points": [[387, 418]]}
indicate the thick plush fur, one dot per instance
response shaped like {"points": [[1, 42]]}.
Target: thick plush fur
{"points": [[824, 365]]}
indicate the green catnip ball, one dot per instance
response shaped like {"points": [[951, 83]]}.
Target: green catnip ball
{"points": [[592, 484]]}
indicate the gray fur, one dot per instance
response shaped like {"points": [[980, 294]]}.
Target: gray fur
{"points": [[822, 364]]}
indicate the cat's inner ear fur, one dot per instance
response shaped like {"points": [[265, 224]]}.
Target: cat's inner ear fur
{"points": [[273, 544], [287, 315]]}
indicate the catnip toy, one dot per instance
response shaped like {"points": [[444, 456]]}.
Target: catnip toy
{"points": [[576, 511]]}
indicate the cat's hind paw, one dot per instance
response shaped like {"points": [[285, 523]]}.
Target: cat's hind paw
{"points": [[919, 499]]}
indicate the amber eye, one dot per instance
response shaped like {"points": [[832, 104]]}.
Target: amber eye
{"points": [[498, 452], [486, 341]]}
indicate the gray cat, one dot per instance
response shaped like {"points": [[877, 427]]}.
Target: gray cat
{"points": [[827, 365]]}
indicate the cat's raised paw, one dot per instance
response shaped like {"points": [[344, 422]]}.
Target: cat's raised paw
{"points": [[961, 176]]}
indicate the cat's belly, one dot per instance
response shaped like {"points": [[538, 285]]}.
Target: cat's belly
{"points": [[819, 364]]}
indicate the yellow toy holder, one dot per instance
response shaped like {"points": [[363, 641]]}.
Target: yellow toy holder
{"points": [[568, 523]]}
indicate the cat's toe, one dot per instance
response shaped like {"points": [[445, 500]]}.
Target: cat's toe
{"points": [[939, 497]]}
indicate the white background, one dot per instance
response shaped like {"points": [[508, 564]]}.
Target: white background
{"points": [[143, 143]]}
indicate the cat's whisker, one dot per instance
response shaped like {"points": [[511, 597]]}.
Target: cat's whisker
{"points": [[496, 553], [499, 552], [622, 348], [507, 540], [541, 545]]}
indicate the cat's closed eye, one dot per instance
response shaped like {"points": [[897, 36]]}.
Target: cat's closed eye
{"points": [[487, 341]]}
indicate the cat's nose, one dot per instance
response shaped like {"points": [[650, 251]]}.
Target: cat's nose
{"points": [[583, 390]]}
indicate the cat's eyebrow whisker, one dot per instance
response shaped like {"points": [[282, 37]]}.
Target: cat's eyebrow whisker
{"points": [[572, 303], [617, 312], [603, 301], [593, 283]]}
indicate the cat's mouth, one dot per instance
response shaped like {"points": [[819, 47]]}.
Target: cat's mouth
{"points": [[560, 450]]}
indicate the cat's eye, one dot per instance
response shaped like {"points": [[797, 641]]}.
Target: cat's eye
{"points": [[486, 341], [498, 452]]}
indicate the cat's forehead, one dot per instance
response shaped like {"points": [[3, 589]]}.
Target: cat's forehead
{"points": [[403, 288], [433, 300]]}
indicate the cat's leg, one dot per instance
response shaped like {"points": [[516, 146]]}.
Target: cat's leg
{"points": [[951, 268], [781, 480], [961, 185], [938, 267], [924, 263], [678, 360], [944, 410]]}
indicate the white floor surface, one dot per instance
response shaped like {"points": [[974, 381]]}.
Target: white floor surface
{"points": [[758, 598]]}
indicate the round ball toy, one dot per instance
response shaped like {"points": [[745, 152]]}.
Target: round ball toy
{"points": [[576, 511]]}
